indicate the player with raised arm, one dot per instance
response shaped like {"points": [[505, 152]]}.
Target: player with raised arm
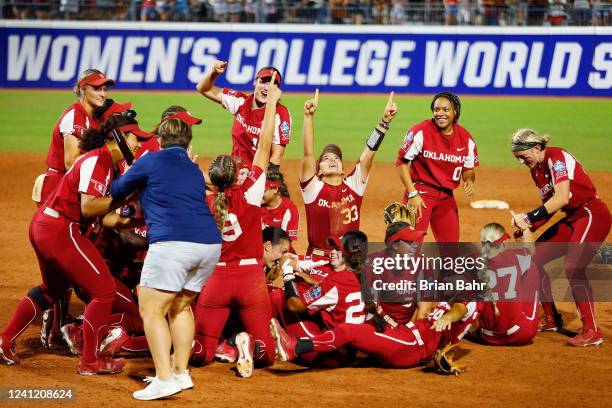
{"points": [[563, 185], [333, 199], [248, 111], [238, 281], [435, 156]]}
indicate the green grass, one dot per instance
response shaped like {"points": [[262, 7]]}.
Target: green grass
{"points": [[582, 126]]}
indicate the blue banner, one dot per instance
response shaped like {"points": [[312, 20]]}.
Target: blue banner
{"points": [[470, 60]]}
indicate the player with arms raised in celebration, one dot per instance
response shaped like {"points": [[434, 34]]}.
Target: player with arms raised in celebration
{"points": [[248, 111], [333, 199], [564, 185], [238, 280], [435, 156]]}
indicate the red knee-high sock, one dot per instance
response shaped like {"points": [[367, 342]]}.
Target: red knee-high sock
{"points": [[330, 340], [131, 324], [136, 343], [27, 310], [95, 325]]}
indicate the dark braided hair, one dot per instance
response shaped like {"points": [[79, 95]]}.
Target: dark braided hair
{"points": [[454, 100], [355, 249], [94, 138], [275, 175], [222, 173]]}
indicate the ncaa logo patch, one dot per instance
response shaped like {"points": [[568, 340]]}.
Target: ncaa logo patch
{"points": [[313, 294], [284, 127], [99, 187], [409, 136], [559, 166]]}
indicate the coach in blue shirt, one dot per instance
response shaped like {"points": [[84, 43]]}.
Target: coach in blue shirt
{"points": [[184, 247]]}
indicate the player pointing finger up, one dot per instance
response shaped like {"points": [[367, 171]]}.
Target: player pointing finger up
{"points": [[333, 199]]}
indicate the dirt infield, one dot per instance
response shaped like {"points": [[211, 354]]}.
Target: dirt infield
{"points": [[546, 373]]}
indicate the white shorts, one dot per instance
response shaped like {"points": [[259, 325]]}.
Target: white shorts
{"points": [[178, 265]]}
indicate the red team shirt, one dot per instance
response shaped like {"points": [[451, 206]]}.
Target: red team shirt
{"points": [[91, 174], [247, 123], [557, 166], [438, 160], [241, 235], [285, 216], [338, 298], [332, 210], [514, 283], [75, 121]]}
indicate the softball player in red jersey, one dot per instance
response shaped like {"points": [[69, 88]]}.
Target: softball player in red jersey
{"points": [[434, 157], [511, 318], [67, 258], [333, 200], [238, 281], [277, 208], [404, 346], [248, 111], [564, 185], [92, 89], [399, 307]]}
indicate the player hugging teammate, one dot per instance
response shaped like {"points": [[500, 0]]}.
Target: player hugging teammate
{"points": [[309, 308]]}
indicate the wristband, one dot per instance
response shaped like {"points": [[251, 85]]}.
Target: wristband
{"points": [[539, 214], [288, 272], [413, 194], [273, 167], [290, 289], [383, 124], [375, 139]]}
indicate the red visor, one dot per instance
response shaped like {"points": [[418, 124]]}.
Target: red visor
{"points": [[266, 75], [406, 234], [272, 184], [96, 79], [115, 108], [335, 242], [135, 129], [185, 117]]}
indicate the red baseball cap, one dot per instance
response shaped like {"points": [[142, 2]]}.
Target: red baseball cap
{"points": [[335, 242], [115, 108], [135, 129], [406, 234], [185, 117], [96, 79], [265, 74]]}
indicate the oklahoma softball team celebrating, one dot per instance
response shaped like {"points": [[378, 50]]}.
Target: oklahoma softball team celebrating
{"points": [[213, 285]]}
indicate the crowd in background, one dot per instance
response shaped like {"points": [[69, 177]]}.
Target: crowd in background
{"points": [[399, 12]]}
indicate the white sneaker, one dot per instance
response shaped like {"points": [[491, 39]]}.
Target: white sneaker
{"points": [[246, 346], [184, 380], [157, 389]]}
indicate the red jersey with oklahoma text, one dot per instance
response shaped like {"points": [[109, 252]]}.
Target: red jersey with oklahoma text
{"points": [[332, 210], [438, 160], [285, 216], [247, 123], [241, 234], [91, 174], [338, 298], [75, 121], [557, 166]]}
